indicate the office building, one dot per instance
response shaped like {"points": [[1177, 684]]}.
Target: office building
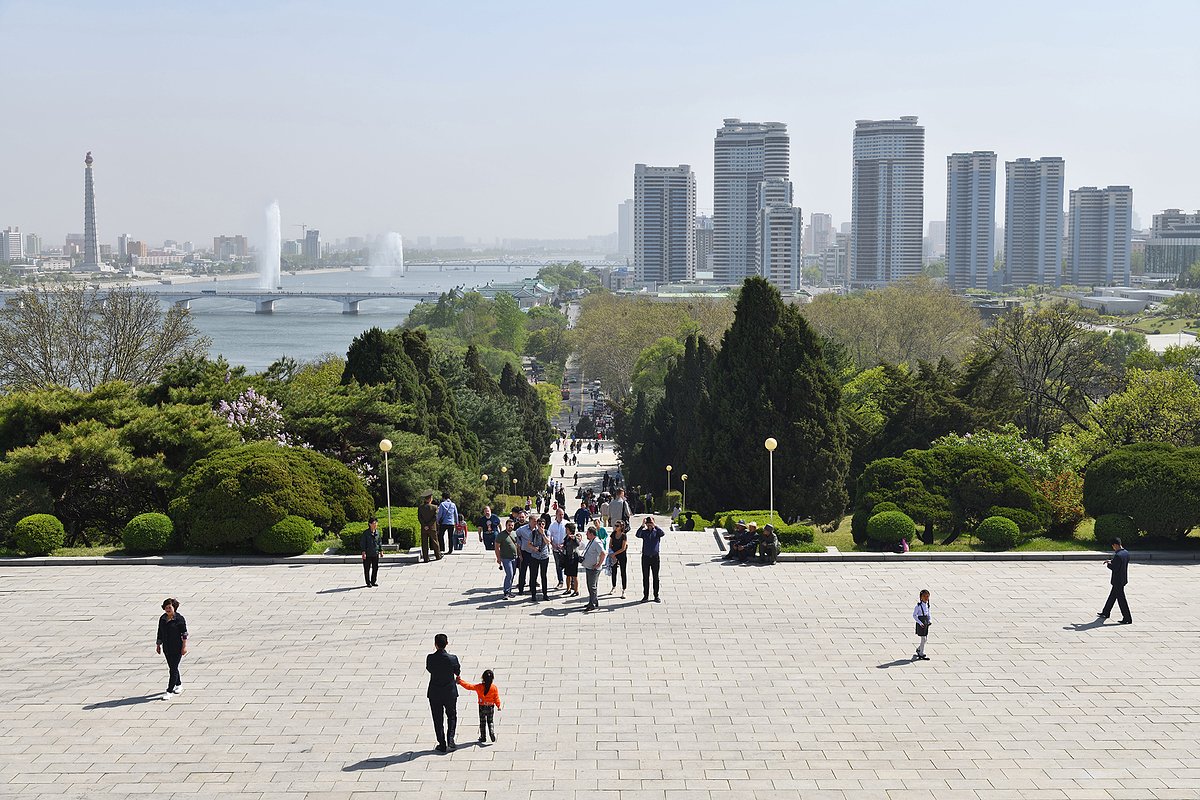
{"points": [[1098, 237], [33, 244], [312, 244], [819, 235], [704, 245], [887, 201], [625, 228], [835, 261], [12, 245], [664, 224], [1174, 244], [1033, 221], [779, 234], [123, 246], [745, 154], [226, 248], [934, 246], [135, 248], [970, 227]]}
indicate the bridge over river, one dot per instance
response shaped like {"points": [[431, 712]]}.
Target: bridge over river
{"points": [[265, 299]]}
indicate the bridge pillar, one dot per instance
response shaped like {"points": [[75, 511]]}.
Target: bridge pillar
{"points": [[184, 304], [350, 306], [264, 305]]}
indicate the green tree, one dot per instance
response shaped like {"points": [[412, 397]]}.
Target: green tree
{"points": [[510, 324], [1157, 485], [650, 369], [770, 379], [1156, 406]]}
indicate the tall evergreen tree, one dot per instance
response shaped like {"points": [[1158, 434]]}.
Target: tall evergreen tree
{"points": [[527, 469], [668, 436], [770, 379]]}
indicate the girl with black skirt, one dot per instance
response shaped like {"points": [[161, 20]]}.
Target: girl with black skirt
{"points": [[617, 546], [172, 640]]}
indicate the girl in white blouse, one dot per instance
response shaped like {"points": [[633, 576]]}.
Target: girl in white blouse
{"points": [[921, 615]]}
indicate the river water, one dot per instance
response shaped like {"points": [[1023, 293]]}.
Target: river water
{"points": [[306, 329]]}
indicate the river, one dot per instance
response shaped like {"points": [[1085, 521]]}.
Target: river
{"points": [[308, 329]]}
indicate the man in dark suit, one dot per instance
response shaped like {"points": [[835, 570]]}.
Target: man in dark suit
{"points": [[1119, 564], [443, 671]]}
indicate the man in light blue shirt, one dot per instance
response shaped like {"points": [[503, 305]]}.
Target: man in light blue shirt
{"points": [[447, 517]]}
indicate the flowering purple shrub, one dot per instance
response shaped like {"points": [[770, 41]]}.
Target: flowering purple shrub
{"points": [[255, 417]]}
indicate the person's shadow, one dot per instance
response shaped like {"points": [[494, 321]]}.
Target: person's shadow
{"points": [[899, 662], [387, 761], [1098, 622], [125, 701]]}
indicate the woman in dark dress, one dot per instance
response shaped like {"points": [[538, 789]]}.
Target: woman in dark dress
{"points": [[172, 640], [570, 559]]}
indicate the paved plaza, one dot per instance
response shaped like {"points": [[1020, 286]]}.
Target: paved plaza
{"points": [[747, 682]]}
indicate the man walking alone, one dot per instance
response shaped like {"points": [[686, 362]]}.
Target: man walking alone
{"points": [[370, 552], [1119, 564]]}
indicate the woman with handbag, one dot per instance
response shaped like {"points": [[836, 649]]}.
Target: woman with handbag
{"points": [[570, 560]]}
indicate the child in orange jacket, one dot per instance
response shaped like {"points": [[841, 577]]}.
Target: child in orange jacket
{"points": [[489, 701]]}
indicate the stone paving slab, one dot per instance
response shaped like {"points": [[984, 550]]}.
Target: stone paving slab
{"points": [[747, 682]]}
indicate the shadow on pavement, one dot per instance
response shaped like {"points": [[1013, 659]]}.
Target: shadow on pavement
{"points": [[340, 589], [125, 701], [387, 761], [899, 662], [1098, 622]]}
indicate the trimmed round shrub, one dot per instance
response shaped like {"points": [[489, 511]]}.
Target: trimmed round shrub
{"points": [[39, 534], [886, 505], [290, 536], [351, 536], [1026, 520], [148, 533], [889, 527], [999, 532], [406, 537], [226, 500], [1114, 526]]}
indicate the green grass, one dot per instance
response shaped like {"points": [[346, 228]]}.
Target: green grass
{"points": [[321, 545]]}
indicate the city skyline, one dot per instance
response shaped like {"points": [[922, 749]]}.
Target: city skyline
{"points": [[371, 136]]}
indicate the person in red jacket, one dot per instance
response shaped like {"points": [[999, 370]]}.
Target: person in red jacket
{"points": [[489, 701]]}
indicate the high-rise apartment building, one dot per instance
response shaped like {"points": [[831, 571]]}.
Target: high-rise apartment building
{"points": [[135, 248], [745, 154], [819, 235], [1174, 243], [887, 201], [625, 228], [1098, 239], [12, 245], [312, 244], [33, 244], [704, 243], [970, 243], [123, 245], [664, 223], [229, 247], [1033, 221], [934, 246], [779, 233]]}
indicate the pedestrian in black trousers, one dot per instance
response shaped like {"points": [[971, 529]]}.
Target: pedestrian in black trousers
{"points": [[370, 552], [651, 535], [1119, 564], [443, 672], [172, 640]]}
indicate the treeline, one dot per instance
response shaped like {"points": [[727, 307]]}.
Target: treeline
{"points": [[1000, 421]]}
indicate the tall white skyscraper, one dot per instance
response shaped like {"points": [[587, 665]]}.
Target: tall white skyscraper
{"points": [[33, 244], [745, 154], [625, 228], [819, 236], [970, 220], [779, 232], [12, 245], [887, 201], [1033, 221], [1099, 238], [664, 223]]}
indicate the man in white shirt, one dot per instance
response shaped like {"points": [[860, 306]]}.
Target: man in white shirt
{"points": [[558, 533], [593, 557]]}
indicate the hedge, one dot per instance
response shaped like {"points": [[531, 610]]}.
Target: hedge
{"points": [[148, 533], [1114, 526], [999, 532], [889, 527], [351, 536], [291, 536], [668, 501], [1155, 485], [1027, 521], [796, 533], [39, 534], [230, 497]]}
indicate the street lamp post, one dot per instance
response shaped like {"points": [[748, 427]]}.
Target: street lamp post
{"points": [[486, 489], [668, 478], [683, 478], [386, 445], [771, 444]]}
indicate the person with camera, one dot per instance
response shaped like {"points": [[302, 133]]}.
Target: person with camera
{"points": [[651, 535]]}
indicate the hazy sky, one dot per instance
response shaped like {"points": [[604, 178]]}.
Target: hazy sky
{"points": [[524, 119]]}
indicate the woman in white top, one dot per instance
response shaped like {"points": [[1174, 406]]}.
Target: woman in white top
{"points": [[921, 616]]}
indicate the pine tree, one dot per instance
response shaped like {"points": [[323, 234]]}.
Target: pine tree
{"points": [[770, 379]]}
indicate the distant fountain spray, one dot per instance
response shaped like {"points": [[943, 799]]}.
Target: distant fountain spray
{"points": [[270, 252], [387, 255]]}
